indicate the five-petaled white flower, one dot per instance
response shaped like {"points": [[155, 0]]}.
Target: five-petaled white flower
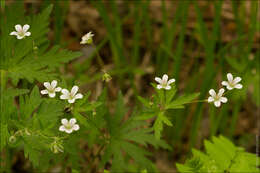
{"points": [[217, 98], [69, 126], [164, 83], [51, 88], [72, 95], [21, 32], [87, 38], [232, 83]]}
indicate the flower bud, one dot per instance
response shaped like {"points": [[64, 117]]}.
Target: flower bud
{"points": [[56, 147], [12, 139], [106, 77]]}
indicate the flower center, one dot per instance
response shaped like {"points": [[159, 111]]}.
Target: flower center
{"points": [[21, 33], [51, 90], [68, 126], [164, 83], [71, 96], [232, 84], [217, 98]]}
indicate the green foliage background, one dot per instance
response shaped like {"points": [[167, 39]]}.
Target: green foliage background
{"points": [[124, 138]]}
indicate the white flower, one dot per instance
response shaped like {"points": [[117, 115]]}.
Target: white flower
{"points": [[232, 83], [69, 126], [87, 38], [72, 95], [164, 83], [51, 88], [217, 98], [21, 32]]}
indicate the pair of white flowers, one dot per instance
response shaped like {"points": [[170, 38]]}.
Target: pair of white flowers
{"points": [[51, 89], [22, 31], [230, 84]]}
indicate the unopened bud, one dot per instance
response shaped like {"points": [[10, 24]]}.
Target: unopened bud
{"points": [[12, 139], [56, 147], [106, 77]]}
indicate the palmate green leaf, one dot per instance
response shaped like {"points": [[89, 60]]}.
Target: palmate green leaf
{"points": [[158, 124], [8, 109], [128, 137], [48, 112], [21, 60], [221, 156], [180, 101], [33, 148], [28, 104]]}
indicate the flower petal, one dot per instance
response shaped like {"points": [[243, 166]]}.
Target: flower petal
{"points": [[64, 121], [26, 27], [229, 87], [62, 128], [212, 92], [58, 89], [165, 77], [171, 81], [54, 83], [52, 95], [19, 37], [78, 96], [223, 99], [18, 28], [76, 127], [238, 86], [64, 97], [224, 83], [159, 86], [47, 85], [71, 100], [237, 79], [157, 79], [44, 92], [168, 87], [230, 77], [73, 121], [221, 91], [68, 130], [217, 103], [210, 99], [65, 92], [27, 33], [13, 33], [74, 90]]}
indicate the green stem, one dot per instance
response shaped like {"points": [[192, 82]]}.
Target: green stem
{"points": [[234, 118], [2, 4]]}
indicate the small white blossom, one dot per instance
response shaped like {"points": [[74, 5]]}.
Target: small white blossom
{"points": [[163, 82], [51, 88], [232, 83], [21, 32], [72, 95], [87, 38], [217, 98], [69, 126]]}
